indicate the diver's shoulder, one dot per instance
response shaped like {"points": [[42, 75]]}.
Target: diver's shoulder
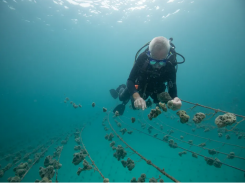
{"points": [[141, 59], [170, 68]]}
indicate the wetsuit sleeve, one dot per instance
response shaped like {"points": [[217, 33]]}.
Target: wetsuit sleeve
{"points": [[172, 86], [131, 87], [135, 73]]}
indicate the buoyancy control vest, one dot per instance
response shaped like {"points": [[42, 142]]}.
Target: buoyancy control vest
{"points": [[146, 74]]}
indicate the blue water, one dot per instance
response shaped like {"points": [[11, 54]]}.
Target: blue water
{"points": [[50, 50]]}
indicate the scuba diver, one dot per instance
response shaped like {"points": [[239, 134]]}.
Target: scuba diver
{"points": [[153, 68]]}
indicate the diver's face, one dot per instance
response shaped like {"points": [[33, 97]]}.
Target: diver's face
{"points": [[160, 55]]}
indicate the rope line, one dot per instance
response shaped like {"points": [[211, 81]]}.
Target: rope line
{"points": [[194, 144], [93, 163], [188, 150], [37, 160], [147, 161], [216, 110], [197, 135], [235, 125], [12, 154], [201, 136], [57, 168]]}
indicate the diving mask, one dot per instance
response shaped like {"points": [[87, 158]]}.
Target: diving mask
{"points": [[154, 61]]}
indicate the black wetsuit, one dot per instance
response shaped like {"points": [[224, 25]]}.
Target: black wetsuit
{"points": [[143, 73]]}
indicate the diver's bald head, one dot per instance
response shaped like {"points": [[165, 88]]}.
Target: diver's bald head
{"points": [[159, 48]]}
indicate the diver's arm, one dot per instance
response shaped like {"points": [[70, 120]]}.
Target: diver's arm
{"points": [[134, 75], [137, 101], [172, 87], [173, 91], [132, 90], [131, 87]]}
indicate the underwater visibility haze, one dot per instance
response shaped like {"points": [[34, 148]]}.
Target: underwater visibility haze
{"points": [[59, 59]]}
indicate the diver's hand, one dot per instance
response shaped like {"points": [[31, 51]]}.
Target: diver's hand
{"points": [[174, 104], [139, 103]]}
